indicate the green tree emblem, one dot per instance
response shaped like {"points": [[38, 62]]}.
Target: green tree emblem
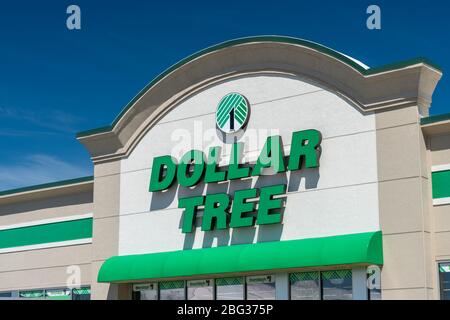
{"points": [[232, 112]]}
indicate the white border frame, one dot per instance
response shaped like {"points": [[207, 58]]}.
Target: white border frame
{"points": [[438, 262], [442, 167], [48, 244], [441, 201], [46, 221]]}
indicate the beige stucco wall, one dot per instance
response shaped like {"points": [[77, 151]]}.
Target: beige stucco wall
{"points": [[106, 225], [55, 206], [45, 268], [416, 233], [438, 147], [404, 212]]}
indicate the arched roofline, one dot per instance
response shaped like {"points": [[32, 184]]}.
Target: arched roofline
{"points": [[321, 58]]}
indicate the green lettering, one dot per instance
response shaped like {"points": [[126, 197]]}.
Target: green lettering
{"points": [[190, 213], [159, 182], [216, 206], [305, 148], [195, 159], [267, 205], [241, 206]]}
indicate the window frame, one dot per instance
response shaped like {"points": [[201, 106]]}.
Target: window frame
{"points": [[438, 263], [320, 284]]}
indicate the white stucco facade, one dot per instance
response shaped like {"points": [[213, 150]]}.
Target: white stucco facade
{"points": [[340, 197]]}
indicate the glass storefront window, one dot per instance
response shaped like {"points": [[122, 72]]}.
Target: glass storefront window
{"points": [[81, 294], [32, 294], [305, 285], [230, 288], [200, 289], [444, 280], [172, 290], [261, 288], [5, 295], [58, 294], [337, 285], [145, 291]]}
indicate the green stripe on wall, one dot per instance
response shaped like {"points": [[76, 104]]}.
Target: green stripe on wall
{"points": [[441, 184], [46, 233]]}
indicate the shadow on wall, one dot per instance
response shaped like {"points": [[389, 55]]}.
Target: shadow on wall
{"points": [[46, 203], [309, 178]]}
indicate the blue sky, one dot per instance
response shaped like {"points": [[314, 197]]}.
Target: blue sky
{"points": [[55, 82]]}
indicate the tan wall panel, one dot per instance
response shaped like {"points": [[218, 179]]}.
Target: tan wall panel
{"points": [[397, 117], [404, 265], [424, 155], [106, 226], [431, 294], [400, 206], [102, 291], [429, 262], [398, 152], [50, 208], [106, 196], [41, 278], [426, 199], [106, 237], [439, 154], [440, 157], [441, 217], [442, 243], [404, 199], [44, 258], [406, 294], [106, 169]]}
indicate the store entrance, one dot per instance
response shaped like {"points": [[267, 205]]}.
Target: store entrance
{"points": [[231, 288], [316, 285]]}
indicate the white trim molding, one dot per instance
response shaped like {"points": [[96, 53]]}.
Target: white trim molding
{"points": [[441, 201], [47, 245], [46, 221], [442, 167]]}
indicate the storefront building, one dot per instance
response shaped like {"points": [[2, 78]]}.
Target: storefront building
{"points": [[260, 168]]}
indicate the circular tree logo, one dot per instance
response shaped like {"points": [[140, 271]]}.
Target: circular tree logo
{"points": [[232, 113]]}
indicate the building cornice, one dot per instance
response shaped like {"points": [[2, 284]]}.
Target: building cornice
{"points": [[72, 186], [436, 125], [404, 84]]}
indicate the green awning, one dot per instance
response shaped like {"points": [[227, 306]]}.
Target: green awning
{"points": [[361, 248]]}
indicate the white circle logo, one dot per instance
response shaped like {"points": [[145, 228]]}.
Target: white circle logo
{"points": [[232, 113]]}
